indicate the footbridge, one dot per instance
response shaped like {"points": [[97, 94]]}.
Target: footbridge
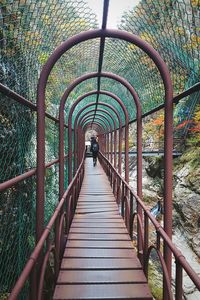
{"points": [[69, 230]]}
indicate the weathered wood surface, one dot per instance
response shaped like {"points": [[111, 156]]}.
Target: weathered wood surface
{"points": [[99, 261]]}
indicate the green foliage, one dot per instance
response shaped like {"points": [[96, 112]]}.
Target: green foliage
{"points": [[153, 131], [155, 281], [30, 31]]}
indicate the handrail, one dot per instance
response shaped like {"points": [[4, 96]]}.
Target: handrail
{"points": [[18, 98], [55, 220], [8, 183], [114, 177]]}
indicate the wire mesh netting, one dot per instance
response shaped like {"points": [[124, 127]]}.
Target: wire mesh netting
{"points": [[17, 231], [30, 31], [172, 28]]}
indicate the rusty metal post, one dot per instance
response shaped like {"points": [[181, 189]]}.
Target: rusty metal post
{"points": [[126, 130], [77, 135], [127, 152], [115, 148], [111, 147], [108, 142]]}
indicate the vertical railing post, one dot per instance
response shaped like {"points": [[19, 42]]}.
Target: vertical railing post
{"points": [[118, 190], [108, 139], [179, 281], [139, 236], [111, 147], [146, 237], [127, 153], [115, 148], [131, 216], [120, 151], [122, 200], [33, 284], [57, 246]]}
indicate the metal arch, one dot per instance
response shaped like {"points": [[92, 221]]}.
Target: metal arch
{"points": [[139, 118], [78, 151], [115, 133], [88, 121], [99, 129], [168, 146], [92, 104], [138, 107], [96, 124], [61, 144], [82, 119], [110, 140], [100, 116], [139, 124], [100, 103], [99, 119]]}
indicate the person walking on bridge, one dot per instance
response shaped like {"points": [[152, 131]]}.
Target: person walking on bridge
{"points": [[94, 149]]}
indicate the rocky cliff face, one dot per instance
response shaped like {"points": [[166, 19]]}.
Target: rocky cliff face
{"points": [[186, 214], [187, 197]]}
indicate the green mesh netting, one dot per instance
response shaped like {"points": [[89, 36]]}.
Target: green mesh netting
{"points": [[173, 29], [30, 31]]}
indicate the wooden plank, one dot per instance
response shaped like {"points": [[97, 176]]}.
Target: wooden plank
{"points": [[99, 244], [97, 230], [106, 225], [102, 220], [97, 197], [101, 263], [91, 200], [95, 210], [101, 214], [84, 252], [96, 205], [101, 276], [103, 291], [99, 236]]}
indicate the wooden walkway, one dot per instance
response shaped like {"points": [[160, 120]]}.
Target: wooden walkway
{"points": [[99, 261]]}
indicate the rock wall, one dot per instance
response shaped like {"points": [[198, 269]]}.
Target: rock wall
{"points": [[186, 198]]}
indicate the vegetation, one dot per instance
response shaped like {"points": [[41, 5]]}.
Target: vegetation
{"points": [[30, 31]]}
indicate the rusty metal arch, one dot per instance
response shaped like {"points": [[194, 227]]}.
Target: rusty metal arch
{"points": [[168, 146], [107, 127], [61, 142], [99, 118], [90, 113], [104, 117], [81, 121], [126, 84], [120, 128], [98, 128], [99, 121], [102, 130]]}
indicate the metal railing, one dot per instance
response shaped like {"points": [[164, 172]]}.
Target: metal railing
{"points": [[129, 205], [52, 241]]}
